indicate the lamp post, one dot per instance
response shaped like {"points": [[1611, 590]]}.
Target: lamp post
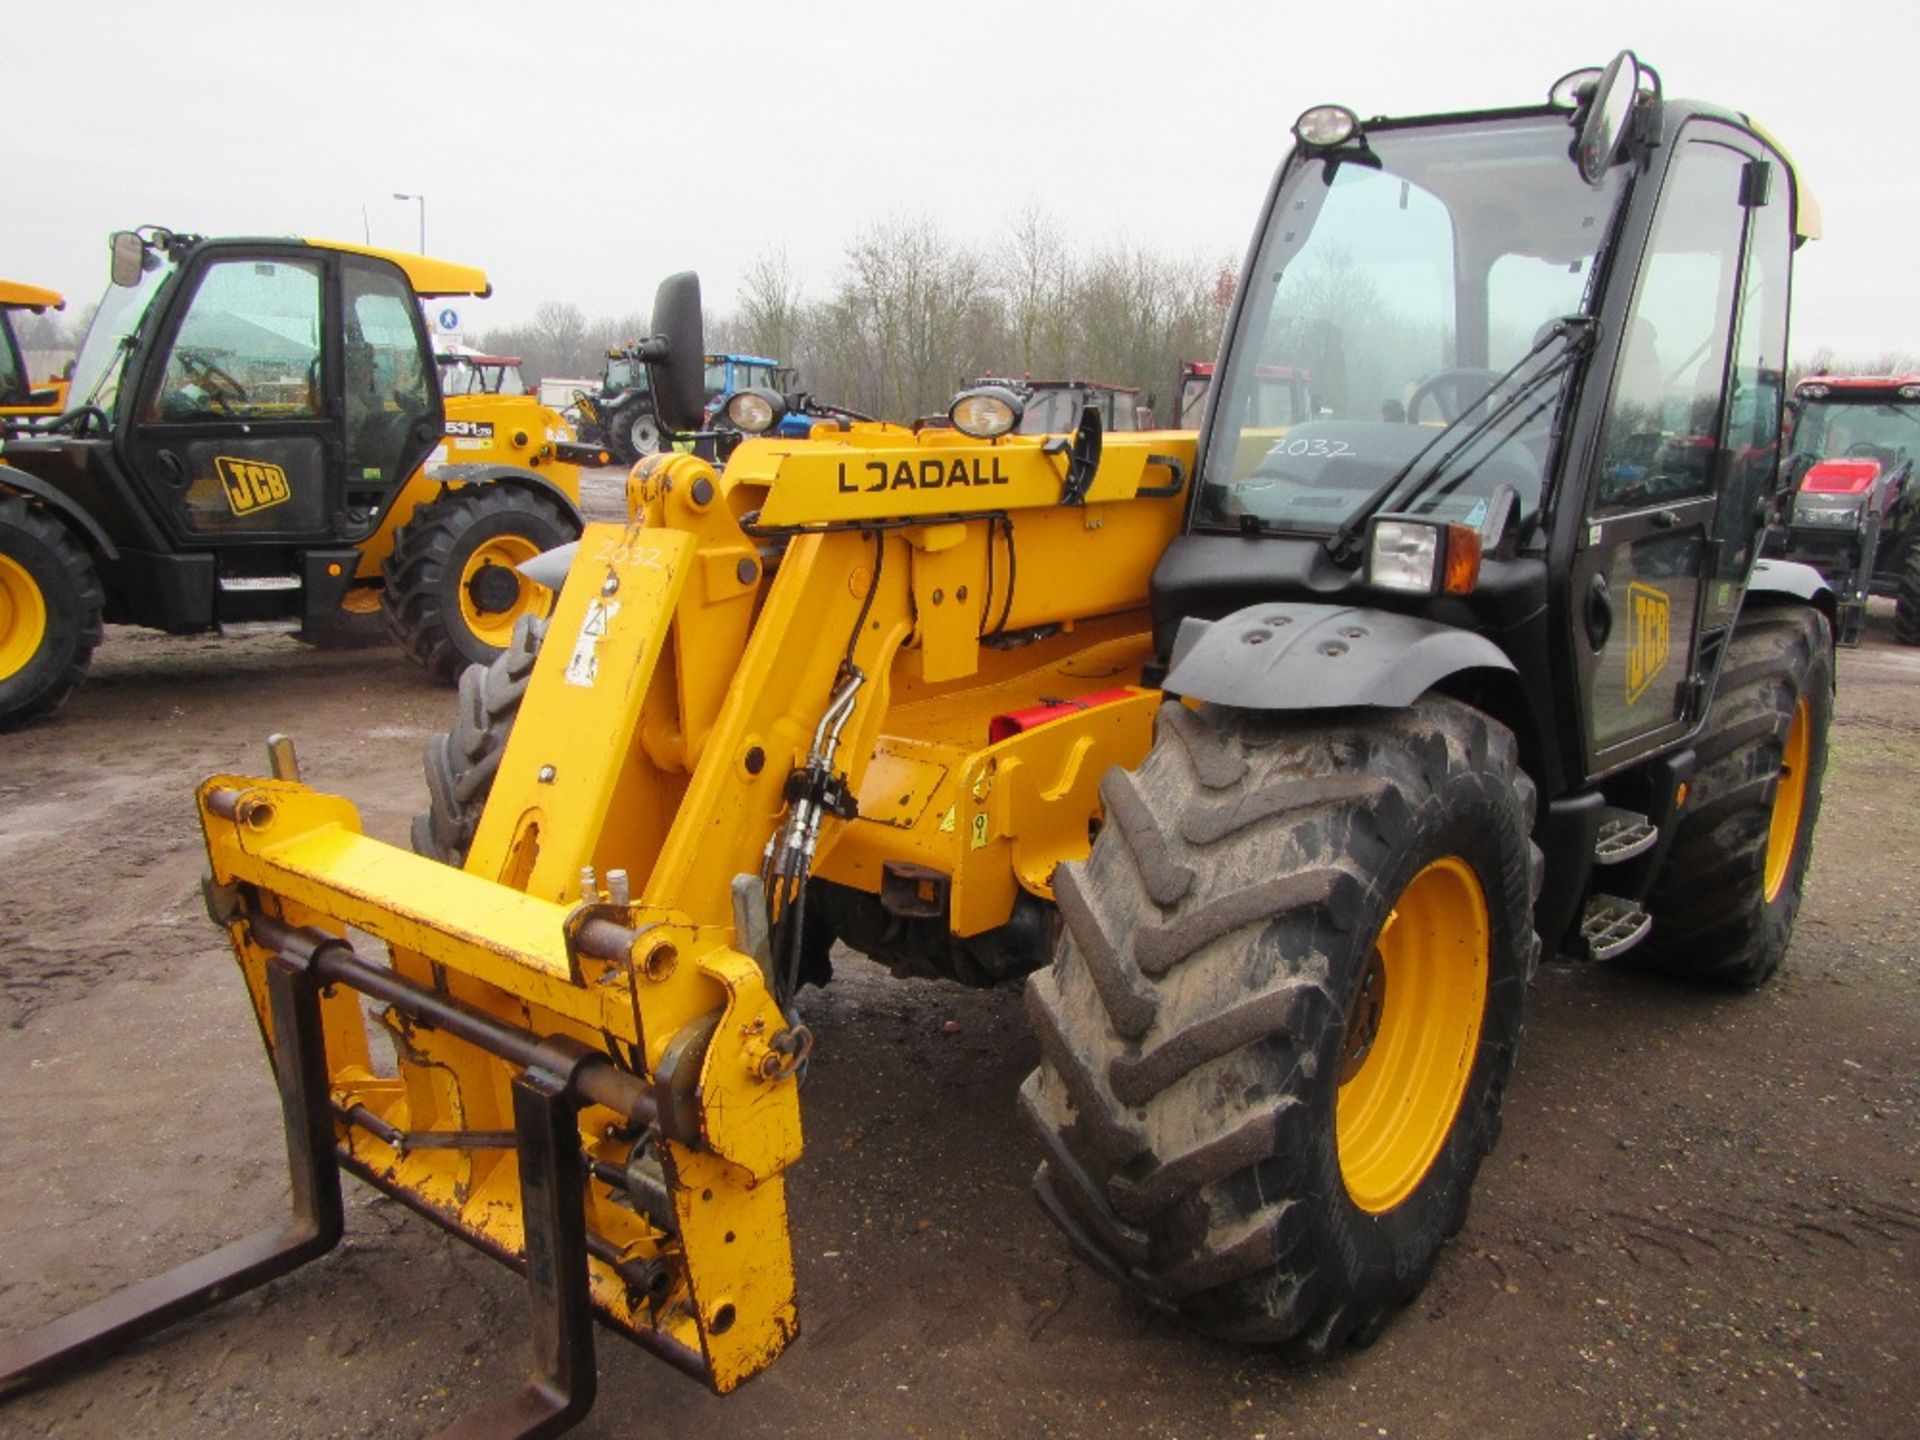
{"points": [[401, 195]]}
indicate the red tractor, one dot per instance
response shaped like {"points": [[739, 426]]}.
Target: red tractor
{"points": [[1280, 394], [1853, 440]]}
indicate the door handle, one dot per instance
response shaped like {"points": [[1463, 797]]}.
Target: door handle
{"points": [[1599, 613], [1664, 519], [172, 467]]}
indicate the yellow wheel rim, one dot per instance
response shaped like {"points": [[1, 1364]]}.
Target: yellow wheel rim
{"points": [[492, 593], [1412, 1035], [23, 618], [1789, 799]]}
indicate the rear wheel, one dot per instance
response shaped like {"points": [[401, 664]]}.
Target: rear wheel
{"points": [[453, 590], [50, 607], [643, 432], [1906, 601], [1283, 1010], [1724, 904]]}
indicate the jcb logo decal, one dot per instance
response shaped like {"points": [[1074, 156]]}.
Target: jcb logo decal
{"points": [[251, 485], [1650, 612]]}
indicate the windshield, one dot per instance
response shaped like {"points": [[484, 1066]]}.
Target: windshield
{"points": [[103, 354], [1885, 431], [1053, 412], [624, 374], [1405, 290], [460, 375]]}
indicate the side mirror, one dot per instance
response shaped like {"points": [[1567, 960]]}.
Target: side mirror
{"points": [[676, 354], [1605, 125], [129, 258]]}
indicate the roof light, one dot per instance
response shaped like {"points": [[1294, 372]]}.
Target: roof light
{"points": [[1326, 125], [986, 413]]}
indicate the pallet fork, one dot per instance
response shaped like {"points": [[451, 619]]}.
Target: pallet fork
{"points": [[558, 1074]]}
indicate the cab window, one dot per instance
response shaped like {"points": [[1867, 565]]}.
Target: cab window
{"points": [[388, 391], [1663, 421], [248, 347]]}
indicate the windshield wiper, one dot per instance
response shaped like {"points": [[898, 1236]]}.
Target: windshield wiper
{"points": [[1575, 330]]}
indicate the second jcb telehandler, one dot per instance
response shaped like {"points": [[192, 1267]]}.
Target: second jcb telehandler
{"points": [[255, 439], [21, 397], [1312, 739]]}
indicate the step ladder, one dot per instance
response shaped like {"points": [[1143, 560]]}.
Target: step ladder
{"points": [[259, 585], [1614, 924]]}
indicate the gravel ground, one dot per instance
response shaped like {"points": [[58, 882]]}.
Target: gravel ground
{"points": [[1703, 1217]]}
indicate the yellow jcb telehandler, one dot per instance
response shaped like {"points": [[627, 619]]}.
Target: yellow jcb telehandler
{"points": [[21, 398], [1273, 759], [255, 439]]}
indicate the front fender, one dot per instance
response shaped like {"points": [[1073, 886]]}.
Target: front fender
{"points": [[1790, 579], [445, 475], [1287, 656], [69, 510]]}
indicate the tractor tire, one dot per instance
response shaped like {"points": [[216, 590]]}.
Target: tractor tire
{"points": [[633, 431], [1282, 1012], [50, 609], [1724, 901], [1906, 600], [461, 763], [453, 595], [642, 432]]}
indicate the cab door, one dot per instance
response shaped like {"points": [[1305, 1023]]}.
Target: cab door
{"points": [[232, 435], [1657, 539]]}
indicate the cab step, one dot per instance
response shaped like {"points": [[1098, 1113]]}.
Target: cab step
{"points": [[1623, 835], [247, 583], [1613, 925]]}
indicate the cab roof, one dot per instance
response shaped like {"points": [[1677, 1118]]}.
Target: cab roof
{"points": [[430, 277], [16, 296]]}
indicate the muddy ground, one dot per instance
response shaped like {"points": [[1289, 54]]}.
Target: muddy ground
{"points": [[1703, 1218]]}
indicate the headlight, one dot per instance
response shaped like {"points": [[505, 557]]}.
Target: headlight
{"points": [[755, 411], [986, 413], [1425, 556]]}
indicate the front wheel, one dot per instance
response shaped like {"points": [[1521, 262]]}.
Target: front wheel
{"points": [[1906, 601], [453, 587], [1283, 1010], [50, 608]]}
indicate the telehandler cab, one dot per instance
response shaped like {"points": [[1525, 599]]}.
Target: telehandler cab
{"points": [[256, 440], [20, 397], [1313, 739]]}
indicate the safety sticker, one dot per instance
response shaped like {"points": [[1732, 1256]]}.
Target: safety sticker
{"points": [[583, 666], [978, 838], [1650, 618], [251, 484]]}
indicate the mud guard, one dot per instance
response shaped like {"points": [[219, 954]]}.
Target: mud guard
{"points": [[1790, 580], [445, 475], [76, 517], [1320, 657]]}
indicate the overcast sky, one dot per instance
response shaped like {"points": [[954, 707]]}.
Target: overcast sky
{"points": [[580, 152]]}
